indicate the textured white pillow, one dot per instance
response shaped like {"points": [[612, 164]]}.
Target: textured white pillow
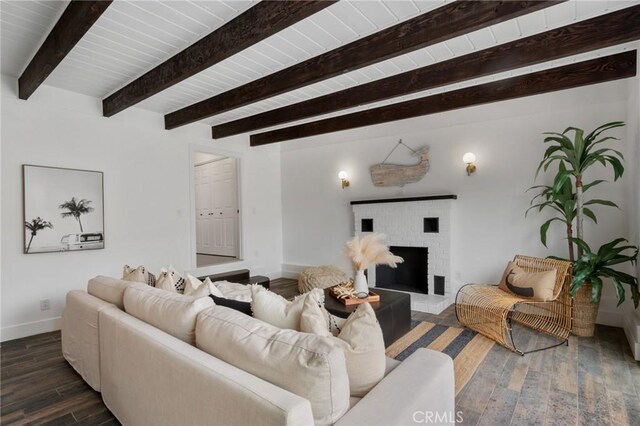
{"points": [[278, 311], [234, 291], [360, 337], [165, 282], [170, 276], [139, 275], [196, 288]]}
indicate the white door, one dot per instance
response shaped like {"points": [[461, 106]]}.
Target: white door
{"points": [[217, 208], [224, 207], [203, 209]]}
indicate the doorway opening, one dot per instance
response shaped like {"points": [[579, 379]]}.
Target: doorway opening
{"points": [[217, 210]]}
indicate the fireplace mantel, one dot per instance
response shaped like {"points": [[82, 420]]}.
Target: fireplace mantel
{"points": [[406, 199]]}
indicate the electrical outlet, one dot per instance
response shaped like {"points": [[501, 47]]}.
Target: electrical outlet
{"points": [[45, 305]]}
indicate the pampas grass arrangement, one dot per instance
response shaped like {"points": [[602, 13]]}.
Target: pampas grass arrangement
{"points": [[369, 251]]}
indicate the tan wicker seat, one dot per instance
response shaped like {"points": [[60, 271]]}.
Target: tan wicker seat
{"points": [[490, 311]]}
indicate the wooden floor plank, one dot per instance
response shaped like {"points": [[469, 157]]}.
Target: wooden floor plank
{"points": [[500, 407], [562, 408], [516, 367], [593, 403], [531, 408], [565, 367]]}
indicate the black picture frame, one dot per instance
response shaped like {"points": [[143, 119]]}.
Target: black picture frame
{"points": [[55, 202]]}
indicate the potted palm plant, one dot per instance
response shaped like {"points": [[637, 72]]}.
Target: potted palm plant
{"points": [[589, 270], [566, 195], [563, 204]]}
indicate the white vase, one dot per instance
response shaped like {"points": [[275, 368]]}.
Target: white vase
{"points": [[360, 285]]}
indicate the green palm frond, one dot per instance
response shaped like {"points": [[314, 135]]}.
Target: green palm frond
{"points": [[594, 266]]}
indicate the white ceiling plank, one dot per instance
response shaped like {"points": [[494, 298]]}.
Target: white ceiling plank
{"points": [[376, 13], [505, 31]]}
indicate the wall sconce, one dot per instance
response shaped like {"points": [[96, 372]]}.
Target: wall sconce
{"points": [[344, 178], [469, 159]]}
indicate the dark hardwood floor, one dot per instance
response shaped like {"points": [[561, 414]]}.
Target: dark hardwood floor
{"points": [[39, 387], [593, 381]]}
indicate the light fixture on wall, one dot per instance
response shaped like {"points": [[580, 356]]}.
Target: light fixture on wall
{"points": [[344, 178], [469, 159]]}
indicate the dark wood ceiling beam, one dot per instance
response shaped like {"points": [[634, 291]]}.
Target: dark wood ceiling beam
{"points": [[594, 71], [256, 24], [75, 21], [597, 33], [448, 21]]}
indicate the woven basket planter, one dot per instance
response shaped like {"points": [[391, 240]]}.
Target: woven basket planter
{"points": [[584, 312]]}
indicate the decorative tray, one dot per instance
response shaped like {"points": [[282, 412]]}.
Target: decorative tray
{"points": [[339, 293]]}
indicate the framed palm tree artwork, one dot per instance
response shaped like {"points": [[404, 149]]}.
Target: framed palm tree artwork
{"points": [[63, 209]]}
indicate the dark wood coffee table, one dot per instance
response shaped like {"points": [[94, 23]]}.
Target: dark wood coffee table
{"points": [[393, 312]]}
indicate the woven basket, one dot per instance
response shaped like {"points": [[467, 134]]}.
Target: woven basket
{"points": [[584, 312]]}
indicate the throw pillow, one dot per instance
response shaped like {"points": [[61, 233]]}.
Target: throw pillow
{"points": [[360, 337], [175, 279], [537, 286], [196, 288], [139, 275], [170, 312], [244, 307], [234, 291], [306, 365], [278, 311], [165, 282]]}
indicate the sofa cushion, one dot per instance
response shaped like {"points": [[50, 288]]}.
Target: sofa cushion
{"points": [[307, 365], [360, 337], [537, 286], [276, 310], [170, 312], [139, 275], [108, 289]]}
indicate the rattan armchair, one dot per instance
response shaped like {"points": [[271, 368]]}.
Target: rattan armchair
{"points": [[491, 311]]}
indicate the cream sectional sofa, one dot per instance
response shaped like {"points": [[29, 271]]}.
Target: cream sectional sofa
{"points": [[166, 359]]}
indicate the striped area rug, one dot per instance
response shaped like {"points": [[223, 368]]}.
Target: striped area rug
{"points": [[466, 347]]}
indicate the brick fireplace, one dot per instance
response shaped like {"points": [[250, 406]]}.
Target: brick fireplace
{"points": [[419, 229]]}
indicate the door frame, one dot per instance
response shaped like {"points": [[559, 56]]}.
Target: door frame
{"points": [[193, 148]]}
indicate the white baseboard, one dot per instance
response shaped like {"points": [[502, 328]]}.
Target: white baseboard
{"points": [[292, 271], [632, 330], [611, 318], [30, 329]]}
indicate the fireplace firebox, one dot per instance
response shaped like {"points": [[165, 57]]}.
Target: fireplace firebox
{"points": [[411, 275]]}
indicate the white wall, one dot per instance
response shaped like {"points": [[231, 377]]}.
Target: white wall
{"points": [[632, 320], [148, 198], [488, 223]]}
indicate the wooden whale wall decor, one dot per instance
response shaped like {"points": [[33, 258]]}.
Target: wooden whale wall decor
{"points": [[383, 174]]}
